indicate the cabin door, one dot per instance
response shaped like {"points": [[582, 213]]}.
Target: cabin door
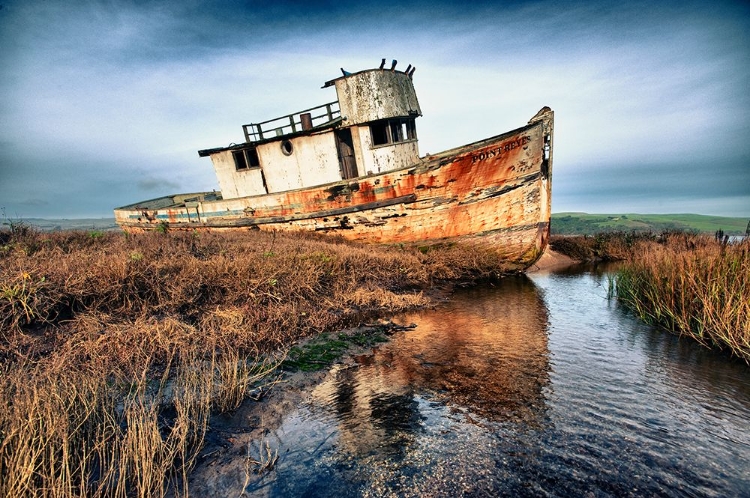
{"points": [[347, 161]]}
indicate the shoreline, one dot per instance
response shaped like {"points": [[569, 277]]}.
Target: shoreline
{"points": [[238, 438], [101, 320], [552, 260]]}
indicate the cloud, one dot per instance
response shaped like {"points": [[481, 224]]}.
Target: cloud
{"points": [[35, 203], [152, 184], [106, 103]]}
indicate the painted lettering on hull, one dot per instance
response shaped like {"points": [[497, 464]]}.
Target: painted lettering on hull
{"points": [[501, 149]]}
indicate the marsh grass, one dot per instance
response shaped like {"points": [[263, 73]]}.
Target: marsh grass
{"points": [[73, 432], [605, 246], [266, 460], [115, 349], [693, 285]]}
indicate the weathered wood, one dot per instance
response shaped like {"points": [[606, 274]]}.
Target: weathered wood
{"points": [[494, 193]]}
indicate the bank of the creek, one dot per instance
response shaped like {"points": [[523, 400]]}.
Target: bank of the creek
{"points": [[535, 386]]}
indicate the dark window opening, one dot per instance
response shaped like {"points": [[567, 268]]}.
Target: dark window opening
{"points": [[411, 130], [398, 131], [379, 133], [245, 159], [252, 158], [239, 160], [286, 148], [389, 131]]}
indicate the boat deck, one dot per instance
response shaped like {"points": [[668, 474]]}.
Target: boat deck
{"points": [[175, 201]]}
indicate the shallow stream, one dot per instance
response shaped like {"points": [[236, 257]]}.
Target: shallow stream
{"points": [[536, 386]]}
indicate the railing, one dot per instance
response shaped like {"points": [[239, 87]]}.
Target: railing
{"points": [[291, 123]]}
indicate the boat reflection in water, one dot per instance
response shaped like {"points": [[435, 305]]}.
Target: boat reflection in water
{"points": [[525, 388], [483, 358], [436, 411]]}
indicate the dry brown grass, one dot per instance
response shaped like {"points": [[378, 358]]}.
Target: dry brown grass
{"points": [[115, 349], [693, 285], [606, 246]]}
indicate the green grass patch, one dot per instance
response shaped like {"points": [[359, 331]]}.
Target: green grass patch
{"points": [[324, 350], [590, 224]]}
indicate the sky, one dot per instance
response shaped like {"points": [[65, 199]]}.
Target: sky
{"points": [[106, 103]]}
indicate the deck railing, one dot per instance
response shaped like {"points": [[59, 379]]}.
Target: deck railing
{"points": [[291, 123]]}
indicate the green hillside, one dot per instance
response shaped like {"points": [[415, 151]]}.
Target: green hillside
{"points": [[588, 224]]}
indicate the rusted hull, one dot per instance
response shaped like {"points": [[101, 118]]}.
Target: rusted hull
{"points": [[494, 194]]}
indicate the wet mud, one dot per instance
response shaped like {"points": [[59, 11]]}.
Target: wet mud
{"points": [[533, 386]]}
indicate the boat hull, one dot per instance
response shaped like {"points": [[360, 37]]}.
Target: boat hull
{"points": [[494, 194]]}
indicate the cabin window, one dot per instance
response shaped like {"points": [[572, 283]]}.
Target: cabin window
{"points": [[398, 131], [390, 131], [286, 148], [379, 133], [245, 159], [252, 158], [411, 129]]}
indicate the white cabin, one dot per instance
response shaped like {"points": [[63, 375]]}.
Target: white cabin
{"points": [[369, 130]]}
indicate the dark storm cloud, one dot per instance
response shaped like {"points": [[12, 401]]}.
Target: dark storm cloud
{"points": [[105, 103], [157, 184], [34, 203]]}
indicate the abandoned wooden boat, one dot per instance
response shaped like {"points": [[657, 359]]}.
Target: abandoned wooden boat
{"points": [[352, 167]]}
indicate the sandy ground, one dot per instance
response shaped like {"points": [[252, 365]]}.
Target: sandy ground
{"points": [[550, 261]]}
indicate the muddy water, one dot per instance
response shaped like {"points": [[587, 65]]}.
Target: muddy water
{"points": [[535, 386]]}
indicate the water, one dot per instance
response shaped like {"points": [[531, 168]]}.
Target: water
{"points": [[536, 386]]}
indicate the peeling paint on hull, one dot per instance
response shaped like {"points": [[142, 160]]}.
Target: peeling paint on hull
{"points": [[493, 194]]}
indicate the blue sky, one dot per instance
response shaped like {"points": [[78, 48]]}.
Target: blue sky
{"points": [[105, 103]]}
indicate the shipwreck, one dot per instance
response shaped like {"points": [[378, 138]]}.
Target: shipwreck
{"points": [[351, 167]]}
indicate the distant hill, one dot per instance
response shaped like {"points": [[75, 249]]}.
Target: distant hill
{"points": [[51, 225], [589, 224]]}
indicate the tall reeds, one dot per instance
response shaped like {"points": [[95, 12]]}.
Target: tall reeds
{"points": [[80, 433], [115, 349], [605, 246], [693, 285]]}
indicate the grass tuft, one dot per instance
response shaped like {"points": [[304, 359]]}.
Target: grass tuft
{"points": [[693, 285], [116, 349]]}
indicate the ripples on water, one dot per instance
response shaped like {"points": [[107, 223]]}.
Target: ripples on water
{"points": [[535, 386]]}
